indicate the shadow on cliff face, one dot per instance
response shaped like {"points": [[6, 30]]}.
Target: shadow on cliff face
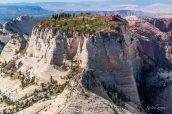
{"points": [[98, 63], [110, 65], [91, 83], [2, 45], [150, 72], [150, 91], [155, 51]]}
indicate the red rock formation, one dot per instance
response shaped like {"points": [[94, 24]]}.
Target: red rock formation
{"points": [[154, 42], [165, 25], [116, 17]]}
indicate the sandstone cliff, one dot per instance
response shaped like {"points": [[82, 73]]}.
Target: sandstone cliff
{"points": [[108, 56], [104, 53], [95, 71]]}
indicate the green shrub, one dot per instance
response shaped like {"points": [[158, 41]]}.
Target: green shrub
{"points": [[82, 23]]}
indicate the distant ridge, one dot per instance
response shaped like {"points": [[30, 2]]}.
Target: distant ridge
{"points": [[8, 12]]}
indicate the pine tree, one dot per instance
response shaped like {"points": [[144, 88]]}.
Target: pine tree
{"points": [[51, 79]]}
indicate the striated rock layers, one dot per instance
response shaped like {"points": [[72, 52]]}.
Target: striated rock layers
{"points": [[164, 25], [106, 54]]}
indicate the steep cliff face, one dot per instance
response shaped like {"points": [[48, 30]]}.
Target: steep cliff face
{"points": [[73, 73], [156, 72], [155, 43], [115, 64], [164, 25], [113, 60], [62, 70]]}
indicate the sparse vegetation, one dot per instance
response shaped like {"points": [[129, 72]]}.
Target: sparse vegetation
{"points": [[27, 80], [83, 23], [116, 96], [21, 49], [8, 68], [47, 90], [75, 70], [20, 64]]}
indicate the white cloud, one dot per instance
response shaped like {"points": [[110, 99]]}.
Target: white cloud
{"points": [[153, 8], [158, 8], [125, 6]]}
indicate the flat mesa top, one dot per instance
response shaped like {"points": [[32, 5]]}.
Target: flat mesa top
{"points": [[84, 23]]}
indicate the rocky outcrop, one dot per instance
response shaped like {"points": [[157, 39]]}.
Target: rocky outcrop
{"points": [[4, 38], [15, 46], [22, 24], [14, 30], [113, 62], [95, 69]]}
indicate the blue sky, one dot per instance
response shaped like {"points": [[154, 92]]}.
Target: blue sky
{"points": [[146, 5], [138, 2], [33, 1]]}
